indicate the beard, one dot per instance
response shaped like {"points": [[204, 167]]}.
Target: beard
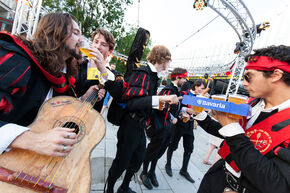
{"points": [[72, 61], [180, 84], [73, 52], [76, 54]]}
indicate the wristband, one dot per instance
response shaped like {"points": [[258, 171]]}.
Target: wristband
{"points": [[104, 74]]}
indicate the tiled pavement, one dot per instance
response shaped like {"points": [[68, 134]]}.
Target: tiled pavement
{"points": [[103, 154]]}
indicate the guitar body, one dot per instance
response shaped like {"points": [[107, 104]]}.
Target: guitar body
{"points": [[73, 172]]}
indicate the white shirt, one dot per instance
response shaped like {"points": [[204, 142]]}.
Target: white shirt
{"points": [[155, 98]]}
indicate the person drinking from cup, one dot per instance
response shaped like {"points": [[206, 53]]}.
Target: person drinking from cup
{"points": [[33, 71], [102, 46]]}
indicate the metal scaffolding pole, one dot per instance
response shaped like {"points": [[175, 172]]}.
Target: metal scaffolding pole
{"points": [[237, 15], [26, 17]]}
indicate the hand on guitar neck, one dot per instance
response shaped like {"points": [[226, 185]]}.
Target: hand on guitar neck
{"points": [[54, 142], [101, 93]]}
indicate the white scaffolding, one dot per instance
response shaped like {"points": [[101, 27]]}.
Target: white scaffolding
{"points": [[26, 17], [237, 15]]}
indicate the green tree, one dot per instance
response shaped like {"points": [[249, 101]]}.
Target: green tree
{"points": [[124, 45], [92, 14]]}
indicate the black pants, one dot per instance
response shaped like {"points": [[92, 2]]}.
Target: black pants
{"points": [[130, 148], [188, 138], [158, 144]]}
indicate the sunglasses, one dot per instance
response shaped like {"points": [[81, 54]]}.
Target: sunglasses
{"points": [[247, 78]]}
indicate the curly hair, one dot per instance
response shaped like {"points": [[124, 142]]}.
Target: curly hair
{"points": [[159, 54], [281, 53], [48, 43]]}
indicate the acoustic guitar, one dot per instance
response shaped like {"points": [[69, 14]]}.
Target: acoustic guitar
{"points": [[27, 172]]}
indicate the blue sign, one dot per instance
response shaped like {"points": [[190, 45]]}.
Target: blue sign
{"points": [[223, 106]]}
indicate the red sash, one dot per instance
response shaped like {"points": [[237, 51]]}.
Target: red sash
{"points": [[265, 135]]}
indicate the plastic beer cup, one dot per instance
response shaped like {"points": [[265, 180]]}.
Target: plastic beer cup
{"points": [[220, 97], [185, 117], [237, 99], [161, 105], [93, 72], [196, 108], [85, 48], [86, 51]]}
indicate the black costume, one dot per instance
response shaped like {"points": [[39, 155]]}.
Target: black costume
{"points": [[184, 130], [131, 137], [159, 137], [259, 173], [25, 84]]}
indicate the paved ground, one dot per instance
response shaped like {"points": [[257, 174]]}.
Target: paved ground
{"points": [[103, 154]]}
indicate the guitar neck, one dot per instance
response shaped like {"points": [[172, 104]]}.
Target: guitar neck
{"points": [[92, 98]]}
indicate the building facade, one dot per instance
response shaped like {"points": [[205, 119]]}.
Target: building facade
{"points": [[7, 13]]}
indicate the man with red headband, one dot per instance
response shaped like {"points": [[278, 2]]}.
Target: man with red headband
{"points": [[184, 130], [256, 154], [161, 131]]}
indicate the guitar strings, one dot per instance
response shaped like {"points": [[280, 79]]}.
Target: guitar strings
{"points": [[94, 100], [46, 169], [51, 170], [61, 163], [84, 108], [90, 101], [26, 166]]}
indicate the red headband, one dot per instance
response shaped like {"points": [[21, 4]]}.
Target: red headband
{"points": [[265, 63], [183, 75]]}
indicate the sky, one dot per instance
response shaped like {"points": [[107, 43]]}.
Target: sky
{"points": [[171, 22]]}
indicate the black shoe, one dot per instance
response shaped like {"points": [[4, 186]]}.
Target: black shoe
{"points": [[120, 190], [153, 179], [168, 170], [145, 180], [186, 175]]}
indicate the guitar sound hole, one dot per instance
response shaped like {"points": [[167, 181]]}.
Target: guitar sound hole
{"points": [[72, 125]]}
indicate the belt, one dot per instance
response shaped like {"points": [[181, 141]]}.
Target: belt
{"points": [[233, 182]]}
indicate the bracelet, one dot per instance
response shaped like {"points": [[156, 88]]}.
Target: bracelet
{"points": [[104, 74]]}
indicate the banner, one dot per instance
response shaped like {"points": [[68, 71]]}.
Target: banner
{"points": [[223, 106]]}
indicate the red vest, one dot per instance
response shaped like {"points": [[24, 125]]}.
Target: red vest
{"points": [[265, 135]]}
